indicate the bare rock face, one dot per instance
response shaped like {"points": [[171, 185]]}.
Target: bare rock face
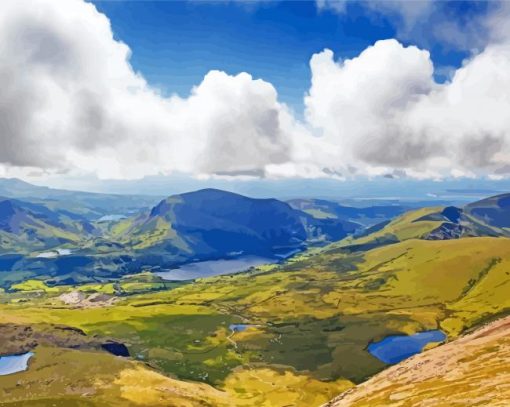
{"points": [[446, 231], [80, 299], [72, 298]]}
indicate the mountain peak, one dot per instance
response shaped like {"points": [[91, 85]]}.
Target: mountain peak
{"points": [[212, 193]]}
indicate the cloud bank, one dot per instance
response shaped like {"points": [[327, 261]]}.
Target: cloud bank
{"points": [[70, 99], [71, 102]]}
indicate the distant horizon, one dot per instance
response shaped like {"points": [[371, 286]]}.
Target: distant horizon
{"points": [[453, 192]]}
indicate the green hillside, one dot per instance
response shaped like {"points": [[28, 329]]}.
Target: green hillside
{"points": [[415, 224], [27, 228], [305, 324], [313, 316], [92, 206]]}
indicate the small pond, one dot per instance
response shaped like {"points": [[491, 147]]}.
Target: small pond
{"points": [[14, 363], [239, 327], [211, 268], [396, 348]]}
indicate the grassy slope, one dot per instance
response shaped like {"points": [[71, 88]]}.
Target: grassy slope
{"points": [[315, 316], [312, 318], [63, 377], [452, 374], [39, 236], [403, 227], [148, 234]]}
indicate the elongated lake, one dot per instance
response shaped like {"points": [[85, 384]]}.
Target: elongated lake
{"points": [[396, 348], [211, 268], [14, 363]]}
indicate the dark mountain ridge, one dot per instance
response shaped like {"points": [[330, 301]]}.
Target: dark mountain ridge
{"points": [[212, 222]]}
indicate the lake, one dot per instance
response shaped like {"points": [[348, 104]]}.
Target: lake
{"points": [[396, 348], [14, 363], [239, 327], [211, 268], [54, 253]]}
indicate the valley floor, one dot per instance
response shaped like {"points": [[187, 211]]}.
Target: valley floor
{"points": [[309, 322]]}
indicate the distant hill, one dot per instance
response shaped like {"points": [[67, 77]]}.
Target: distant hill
{"points": [[25, 227], [89, 204], [487, 217], [366, 217], [493, 212], [215, 223]]}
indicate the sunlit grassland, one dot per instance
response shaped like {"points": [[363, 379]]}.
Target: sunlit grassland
{"points": [[152, 233], [312, 318], [64, 377], [404, 227]]}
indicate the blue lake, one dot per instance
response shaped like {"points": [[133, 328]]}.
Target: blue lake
{"points": [[14, 363], [396, 348], [239, 327], [213, 268]]}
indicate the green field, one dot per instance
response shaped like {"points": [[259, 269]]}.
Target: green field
{"points": [[309, 320]]}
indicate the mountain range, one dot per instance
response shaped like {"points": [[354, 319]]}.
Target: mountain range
{"points": [[365, 216], [296, 333], [214, 223], [90, 205], [200, 225], [102, 237]]}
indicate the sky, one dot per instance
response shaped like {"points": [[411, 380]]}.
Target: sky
{"points": [[176, 43], [264, 97]]}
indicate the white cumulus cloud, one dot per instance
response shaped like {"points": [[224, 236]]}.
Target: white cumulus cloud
{"points": [[71, 102], [384, 112]]}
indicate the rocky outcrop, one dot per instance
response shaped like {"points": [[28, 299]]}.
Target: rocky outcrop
{"points": [[446, 231], [17, 339], [81, 300]]}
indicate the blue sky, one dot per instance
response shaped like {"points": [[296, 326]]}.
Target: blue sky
{"points": [[403, 97], [175, 43]]}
